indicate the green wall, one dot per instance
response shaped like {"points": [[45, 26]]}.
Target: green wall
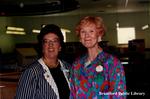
{"points": [[7, 42]]}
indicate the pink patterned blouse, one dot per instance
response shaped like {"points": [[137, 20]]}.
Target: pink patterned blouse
{"points": [[103, 78]]}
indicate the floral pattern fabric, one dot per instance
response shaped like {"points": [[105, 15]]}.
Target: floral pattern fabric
{"points": [[103, 78]]}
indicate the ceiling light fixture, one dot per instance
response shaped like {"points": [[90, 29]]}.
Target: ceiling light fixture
{"points": [[126, 3], [145, 27], [35, 31], [15, 30], [21, 5]]}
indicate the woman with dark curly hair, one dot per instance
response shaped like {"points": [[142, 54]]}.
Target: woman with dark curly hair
{"points": [[47, 77]]}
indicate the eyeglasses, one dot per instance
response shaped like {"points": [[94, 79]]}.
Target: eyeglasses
{"points": [[56, 41]]}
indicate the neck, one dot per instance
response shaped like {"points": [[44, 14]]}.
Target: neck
{"points": [[93, 52], [52, 63]]}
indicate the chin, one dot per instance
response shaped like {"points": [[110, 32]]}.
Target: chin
{"points": [[88, 46]]}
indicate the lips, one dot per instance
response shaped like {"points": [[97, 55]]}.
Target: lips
{"points": [[51, 49], [87, 39]]}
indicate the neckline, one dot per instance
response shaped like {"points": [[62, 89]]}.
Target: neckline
{"points": [[88, 63], [50, 66], [53, 66], [87, 59]]}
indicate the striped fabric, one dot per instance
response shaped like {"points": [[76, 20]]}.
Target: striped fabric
{"points": [[33, 85]]}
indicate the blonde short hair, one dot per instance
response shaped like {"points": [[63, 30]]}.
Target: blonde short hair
{"points": [[98, 21]]}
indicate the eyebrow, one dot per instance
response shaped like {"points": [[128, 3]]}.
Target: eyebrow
{"points": [[52, 39]]}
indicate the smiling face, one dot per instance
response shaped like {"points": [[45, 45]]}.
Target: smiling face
{"points": [[51, 45], [89, 35]]}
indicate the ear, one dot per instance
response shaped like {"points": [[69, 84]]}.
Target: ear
{"points": [[99, 39], [80, 40], [59, 49]]}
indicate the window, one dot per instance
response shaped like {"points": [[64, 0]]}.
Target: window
{"points": [[125, 34]]}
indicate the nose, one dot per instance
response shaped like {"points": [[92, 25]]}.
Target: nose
{"points": [[87, 34], [50, 43]]}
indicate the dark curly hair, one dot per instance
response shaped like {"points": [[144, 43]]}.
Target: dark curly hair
{"points": [[47, 29]]}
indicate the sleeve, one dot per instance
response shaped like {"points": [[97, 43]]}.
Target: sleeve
{"points": [[72, 82], [117, 80], [26, 86], [66, 65]]}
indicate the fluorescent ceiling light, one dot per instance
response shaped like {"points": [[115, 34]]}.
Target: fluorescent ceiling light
{"points": [[145, 27], [15, 30], [35, 31], [62, 29]]}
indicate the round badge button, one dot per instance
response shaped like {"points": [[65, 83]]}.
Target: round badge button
{"points": [[99, 68]]}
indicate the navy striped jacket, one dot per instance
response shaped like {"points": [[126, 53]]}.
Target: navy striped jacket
{"points": [[33, 85]]}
